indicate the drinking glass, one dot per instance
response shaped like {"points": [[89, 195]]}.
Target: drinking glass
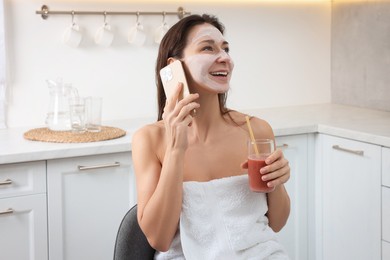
{"points": [[258, 151], [93, 113], [77, 114]]}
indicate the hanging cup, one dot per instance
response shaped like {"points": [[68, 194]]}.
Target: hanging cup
{"points": [[161, 31], [104, 36], [72, 35], [137, 35]]}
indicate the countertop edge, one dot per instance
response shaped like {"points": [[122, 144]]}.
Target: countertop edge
{"points": [[364, 125], [118, 147]]}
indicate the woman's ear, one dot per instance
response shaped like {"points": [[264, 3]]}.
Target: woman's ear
{"points": [[170, 60]]}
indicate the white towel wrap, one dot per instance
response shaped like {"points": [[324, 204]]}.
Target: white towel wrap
{"points": [[223, 219]]}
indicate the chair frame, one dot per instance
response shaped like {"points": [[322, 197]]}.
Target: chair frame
{"points": [[131, 242]]}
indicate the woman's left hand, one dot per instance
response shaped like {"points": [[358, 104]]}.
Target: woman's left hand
{"points": [[277, 170]]}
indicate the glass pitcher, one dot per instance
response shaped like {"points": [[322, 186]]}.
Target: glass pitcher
{"points": [[58, 117]]}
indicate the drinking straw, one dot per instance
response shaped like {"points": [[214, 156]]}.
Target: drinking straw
{"points": [[251, 134]]}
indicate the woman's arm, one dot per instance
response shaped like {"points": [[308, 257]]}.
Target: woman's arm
{"points": [[278, 171], [160, 180], [159, 190]]}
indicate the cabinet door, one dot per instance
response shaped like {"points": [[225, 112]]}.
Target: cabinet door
{"points": [[386, 166], [293, 236], [23, 227], [386, 213], [385, 250], [87, 199], [351, 197]]}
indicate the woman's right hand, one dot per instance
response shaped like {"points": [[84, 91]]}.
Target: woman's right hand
{"points": [[177, 117], [159, 170]]}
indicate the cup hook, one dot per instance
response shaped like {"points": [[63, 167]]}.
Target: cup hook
{"points": [[137, 21], [73, 23], [105, 17], [164, 14]]}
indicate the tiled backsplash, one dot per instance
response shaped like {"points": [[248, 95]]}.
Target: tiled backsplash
{"points": [[361, 54]]}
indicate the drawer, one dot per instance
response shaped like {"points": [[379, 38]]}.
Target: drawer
{"points": [[386, 167], [385, 250], [23, 225], [22, 179], [386, 214]]}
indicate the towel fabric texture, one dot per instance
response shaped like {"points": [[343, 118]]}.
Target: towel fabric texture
{"points": [[223, 219]]}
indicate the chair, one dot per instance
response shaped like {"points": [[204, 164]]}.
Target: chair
{"points": [[131, 242]]}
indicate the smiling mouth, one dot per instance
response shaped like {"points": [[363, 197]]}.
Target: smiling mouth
{"points": [[219, 73]]}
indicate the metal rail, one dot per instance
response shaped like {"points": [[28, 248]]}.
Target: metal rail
{"points": [[45, 12]]}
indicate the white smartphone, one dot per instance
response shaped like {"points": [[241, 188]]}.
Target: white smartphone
{"points": [[171, 75]]}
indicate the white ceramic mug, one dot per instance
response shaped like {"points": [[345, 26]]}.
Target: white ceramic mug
{"points": [[104, 36], [72, 36], [137, 35], [160, 32]]}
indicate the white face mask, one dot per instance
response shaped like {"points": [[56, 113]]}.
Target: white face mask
{"points": [[210, 68]]}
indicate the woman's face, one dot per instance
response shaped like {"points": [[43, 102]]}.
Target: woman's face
{"points": [[207, 59]]}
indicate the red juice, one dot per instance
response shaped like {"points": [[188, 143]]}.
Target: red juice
{"points": [[256, 184]]}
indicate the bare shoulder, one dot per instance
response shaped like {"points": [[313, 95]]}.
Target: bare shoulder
{"points": [[148, 136], [260, 127], [237, 117]]}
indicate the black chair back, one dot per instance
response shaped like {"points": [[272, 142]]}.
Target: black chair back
{"points": [[131, 243]]}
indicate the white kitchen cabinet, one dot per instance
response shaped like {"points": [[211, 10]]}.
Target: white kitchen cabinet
{"points": [[386, 214], [23, 221], [385, 250], [385, 203], [294, 235], [87, 199], [349, 204], [386, 167]]}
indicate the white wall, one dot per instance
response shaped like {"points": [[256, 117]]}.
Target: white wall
{"points": [[281, 53]]}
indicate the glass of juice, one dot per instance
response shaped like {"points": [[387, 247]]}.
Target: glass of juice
{"points": [[258, 151]]}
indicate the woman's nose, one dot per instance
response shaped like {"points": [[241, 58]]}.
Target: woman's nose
{"points": [[223, 56]]}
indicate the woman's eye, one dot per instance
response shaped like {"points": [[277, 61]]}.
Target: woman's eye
{"points": [[211, 49], [207, 48]]}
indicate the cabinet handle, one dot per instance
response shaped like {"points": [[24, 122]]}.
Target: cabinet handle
{"points": [[7, 211], [6, 182], [100, 166], [358, 152], [283, 146]]}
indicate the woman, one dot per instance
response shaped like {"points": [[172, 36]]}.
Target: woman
{"points": [[192, 186]]}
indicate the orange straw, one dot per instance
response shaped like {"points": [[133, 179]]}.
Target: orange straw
{"points": [[251, 134]]}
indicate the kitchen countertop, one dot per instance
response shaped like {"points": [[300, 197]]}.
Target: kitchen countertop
{"points": [[366, 125]]}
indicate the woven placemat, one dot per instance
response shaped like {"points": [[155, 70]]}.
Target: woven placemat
{"points": [[46, 135]]}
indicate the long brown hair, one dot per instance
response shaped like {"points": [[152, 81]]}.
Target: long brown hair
{"points": [[173, 44]]}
